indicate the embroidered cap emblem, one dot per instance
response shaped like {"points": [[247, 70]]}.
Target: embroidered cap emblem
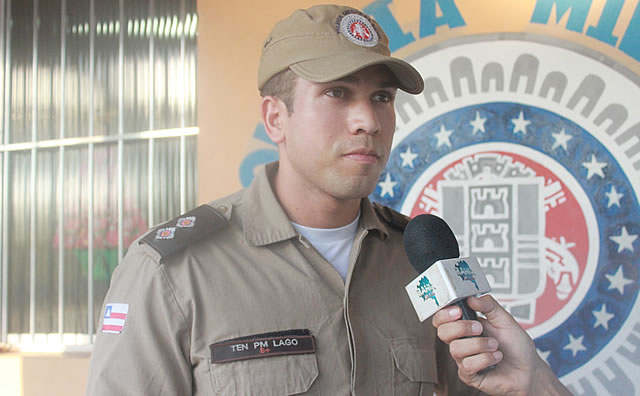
{"points": [[358, 30], [166, 233]]}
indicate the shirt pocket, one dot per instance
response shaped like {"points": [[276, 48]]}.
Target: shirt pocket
{"points": [[415, 371], [276, 375]]}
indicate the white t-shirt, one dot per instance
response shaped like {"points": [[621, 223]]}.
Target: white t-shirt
{"points": [[334, 244]]}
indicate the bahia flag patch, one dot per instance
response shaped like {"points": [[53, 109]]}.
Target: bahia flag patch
{"points": [[114, 317]]}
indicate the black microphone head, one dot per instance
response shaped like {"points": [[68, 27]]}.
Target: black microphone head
{"points": [[427, 239]]}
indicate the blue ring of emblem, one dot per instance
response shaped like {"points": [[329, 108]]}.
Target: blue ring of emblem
{"points": [[610, 220]]}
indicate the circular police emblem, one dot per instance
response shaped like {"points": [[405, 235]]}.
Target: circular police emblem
{"points": [[358, 29], [534, 163]]}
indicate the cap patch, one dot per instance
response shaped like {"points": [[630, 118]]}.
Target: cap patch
{"points": [[358, 29]]}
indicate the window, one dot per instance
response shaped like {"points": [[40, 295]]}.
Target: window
{"points": [[98, 144]]}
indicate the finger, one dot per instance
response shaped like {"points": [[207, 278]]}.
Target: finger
{"points": [[449, 332], [482, 304], [491, 309], [466, 347], [474, 364], [447, 315]]}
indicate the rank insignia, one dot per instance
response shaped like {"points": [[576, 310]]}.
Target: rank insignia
{"points": [[166, 233], [186, 222]]}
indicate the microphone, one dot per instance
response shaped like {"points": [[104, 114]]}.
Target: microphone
{"points": [[445, 277]]}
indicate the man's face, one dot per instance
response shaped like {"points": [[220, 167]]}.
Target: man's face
{"points": [[338, 136]]}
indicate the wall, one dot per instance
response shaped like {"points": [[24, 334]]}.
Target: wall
{"points": [[34, 374]]}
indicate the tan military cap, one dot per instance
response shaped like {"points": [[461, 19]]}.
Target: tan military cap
{"points": [[328, 42]]}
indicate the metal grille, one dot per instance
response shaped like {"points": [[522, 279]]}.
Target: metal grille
{"points": [[98, 144]]}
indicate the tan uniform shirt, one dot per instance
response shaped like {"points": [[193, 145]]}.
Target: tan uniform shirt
{"points": [[256, 275]]}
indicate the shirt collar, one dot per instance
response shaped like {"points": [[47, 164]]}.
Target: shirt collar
{"points": [[263, 219], [265, 222], [370, 221]]}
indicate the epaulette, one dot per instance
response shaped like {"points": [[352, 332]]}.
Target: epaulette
{"points": [[396, 220], [176, 234]]}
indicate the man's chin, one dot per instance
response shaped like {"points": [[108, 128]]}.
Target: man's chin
{"points": [[356, 190]]}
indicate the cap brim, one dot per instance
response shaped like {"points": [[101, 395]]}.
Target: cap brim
{"points": [[334, 67]]}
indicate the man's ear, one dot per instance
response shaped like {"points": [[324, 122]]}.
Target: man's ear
{"points": [[274, 117]]}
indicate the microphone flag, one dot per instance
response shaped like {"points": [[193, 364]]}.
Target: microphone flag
{"points": [[446, 282]]}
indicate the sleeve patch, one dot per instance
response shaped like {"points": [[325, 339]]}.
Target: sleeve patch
{"points": [[114, 317]]}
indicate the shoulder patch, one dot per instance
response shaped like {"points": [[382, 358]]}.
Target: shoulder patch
{"points": [[396, 220], [176, 234]]}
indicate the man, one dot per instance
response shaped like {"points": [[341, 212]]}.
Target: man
{"points": [[296, 284]]}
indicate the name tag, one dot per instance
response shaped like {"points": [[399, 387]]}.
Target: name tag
{"points": [[288, 342]]}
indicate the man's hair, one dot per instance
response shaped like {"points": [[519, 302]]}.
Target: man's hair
{"points": [[281, 86]]}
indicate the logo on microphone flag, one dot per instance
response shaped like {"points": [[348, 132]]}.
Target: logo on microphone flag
{"points": [[426, 290], [114, 318], [446, 282], [466, 273]]}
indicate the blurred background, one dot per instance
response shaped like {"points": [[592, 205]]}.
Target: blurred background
{"points": [[98, 143]]}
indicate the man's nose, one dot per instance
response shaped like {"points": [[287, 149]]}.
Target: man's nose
{"points": [[364, 118]]}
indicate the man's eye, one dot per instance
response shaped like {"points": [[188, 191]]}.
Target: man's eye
{"points": [[383, 97], [336, 92]]}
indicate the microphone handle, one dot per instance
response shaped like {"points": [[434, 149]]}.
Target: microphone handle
{"points": [[467, 313], [470, 314]]}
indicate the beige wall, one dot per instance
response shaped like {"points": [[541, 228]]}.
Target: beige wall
{"points": [[38, 374]]}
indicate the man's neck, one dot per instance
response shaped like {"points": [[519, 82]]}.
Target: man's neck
{"points": [[314, 210]]}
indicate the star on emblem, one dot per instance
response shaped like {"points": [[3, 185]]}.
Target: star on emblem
{"points": [[408, 157], [575, 345], [594, 167], [520, 124], [443, 136], [478, 123], [387, 186], [602, 317], [614, 197], [618, 281], [561, 139], [624, 240]]}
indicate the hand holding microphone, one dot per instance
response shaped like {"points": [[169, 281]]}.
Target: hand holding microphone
{"points": [[433, 251]]}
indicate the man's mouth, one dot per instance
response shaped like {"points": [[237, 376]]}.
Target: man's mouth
{"points": [[363, 155]]}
